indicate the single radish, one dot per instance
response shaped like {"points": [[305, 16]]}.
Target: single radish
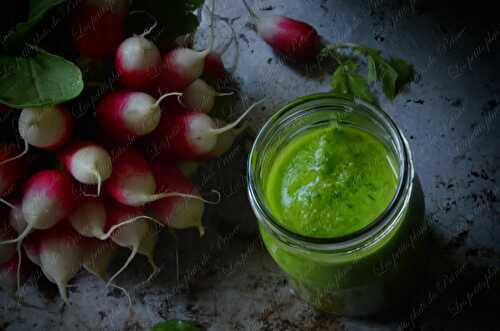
{"points": [[44, 127], [295, 40], [137, 62], [179, 212], [89, 219], [189, 135], [126, 115], [13, 172], [200, 97], [132, 182], [62, 252], [98, 27], [129, 236], [47, 199], [87, 162]]}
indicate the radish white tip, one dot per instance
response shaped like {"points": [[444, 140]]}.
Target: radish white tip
{"points": [[235, 123], [132, 220], [23, 153], [130, 258], [63, 293], [201, 229]]}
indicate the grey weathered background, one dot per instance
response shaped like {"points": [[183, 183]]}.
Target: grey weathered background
{"points": [[450, 115]]}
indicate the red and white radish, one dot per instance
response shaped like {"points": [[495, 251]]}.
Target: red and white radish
{"points": [[44, 127], [179, 212], [295, 40], [11, 173], [98, 27], [47, 199], [87, 162], [62, 252], [137, 62], [126, 115], [189, 135], [132, 182], [130, 235], [200, 97], [180, 67]]}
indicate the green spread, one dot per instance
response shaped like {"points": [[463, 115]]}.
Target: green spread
{"points": [[330, 182]]}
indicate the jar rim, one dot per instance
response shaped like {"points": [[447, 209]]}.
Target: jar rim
{"points": [[380, 225]]}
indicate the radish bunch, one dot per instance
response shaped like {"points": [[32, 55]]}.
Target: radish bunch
{"points": [[94, 193]]}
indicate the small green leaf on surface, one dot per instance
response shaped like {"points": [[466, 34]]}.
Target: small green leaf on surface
{"points": [[372, 69], [405, 72], [175, 325], [38, 80], [345, 80]]}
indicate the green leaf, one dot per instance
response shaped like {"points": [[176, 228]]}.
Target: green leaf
{"points": [[405, 72], [38, 9], [372, 69], [388, 76], [346, 81], [175, 325], [37, 80]]}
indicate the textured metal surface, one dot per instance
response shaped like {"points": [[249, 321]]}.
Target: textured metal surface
{"points": [[226, 281]]}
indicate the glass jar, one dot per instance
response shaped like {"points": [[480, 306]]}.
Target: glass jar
{"points": [[364, 272]]}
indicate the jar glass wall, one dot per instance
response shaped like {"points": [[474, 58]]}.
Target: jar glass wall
{"points": [[360, 273]]}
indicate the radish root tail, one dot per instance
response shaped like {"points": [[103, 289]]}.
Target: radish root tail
{"points": [[99, 184], [18, 271], [178, 94], [20, 238], [129, 298], [130, 258], [18, 156], [132, 220], [148, 14], [235, 123]]}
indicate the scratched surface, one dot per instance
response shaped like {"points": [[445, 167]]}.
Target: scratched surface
{"points": [[226, 281]]}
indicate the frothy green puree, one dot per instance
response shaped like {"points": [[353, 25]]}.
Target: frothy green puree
{"points": [[330, 182]]}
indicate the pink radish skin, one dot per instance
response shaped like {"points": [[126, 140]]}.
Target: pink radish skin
{"points": [[176, 212], [132, 182], [189, 136], [179, 68], [62, 252], [126, 115], [295, 40], [98, 27], [214, 69], [11, 173], [87, 162], [137, 61], [47, 199], [200, 97], [130, 235]]}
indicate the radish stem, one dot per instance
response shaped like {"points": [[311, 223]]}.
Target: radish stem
{"points": [[235, 123], [23, 153], [132, 220], [157, 103]]}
